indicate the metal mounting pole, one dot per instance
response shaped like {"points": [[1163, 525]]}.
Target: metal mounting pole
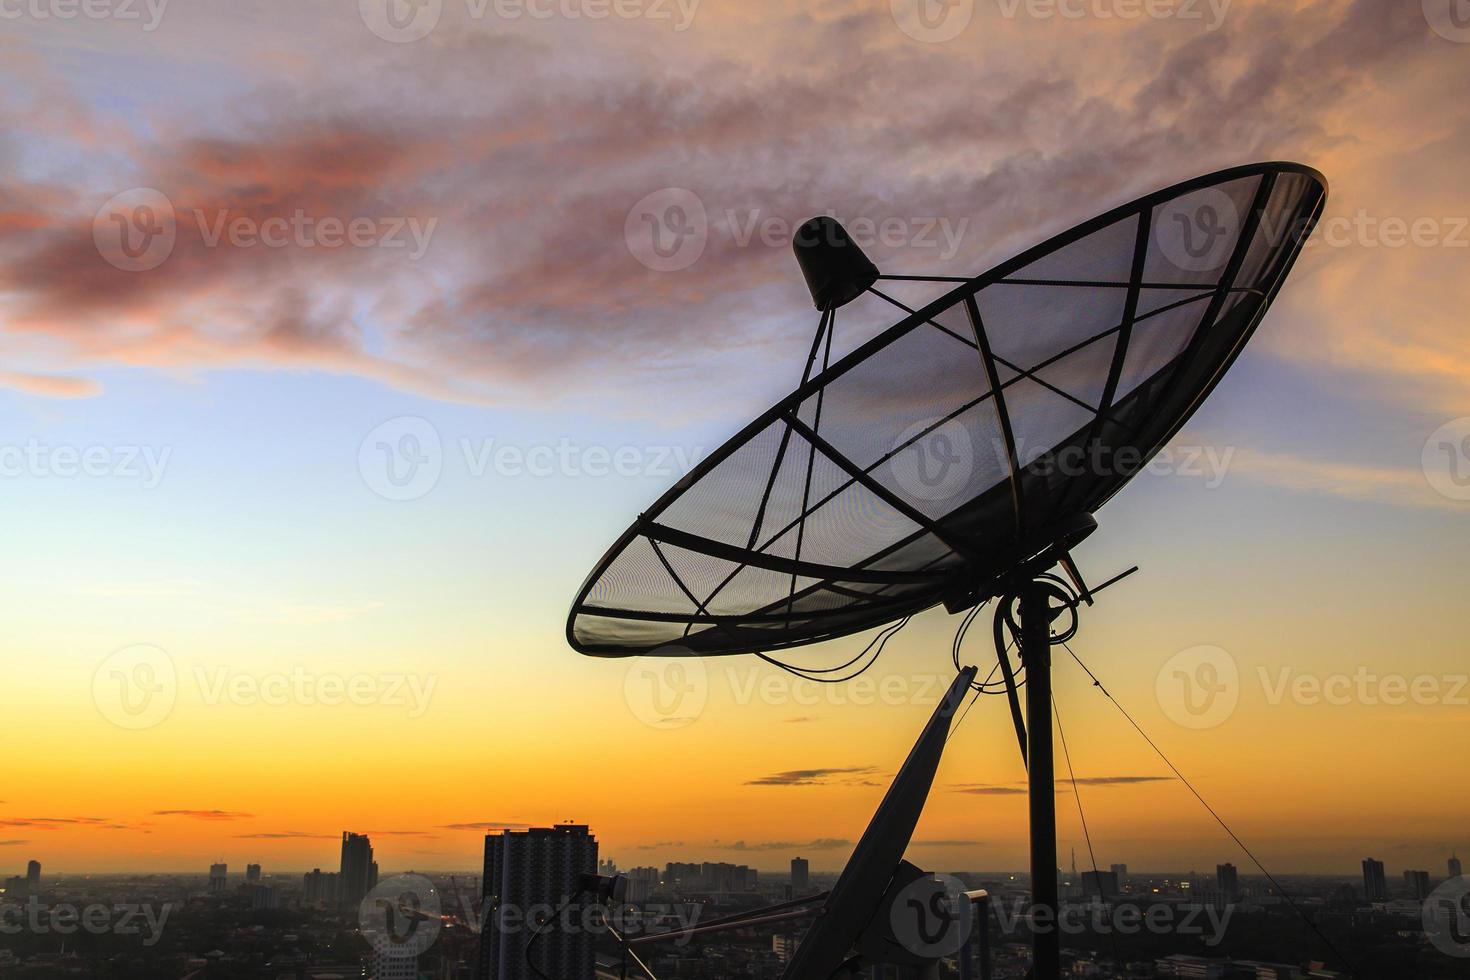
{"points": [[1036, 654]]}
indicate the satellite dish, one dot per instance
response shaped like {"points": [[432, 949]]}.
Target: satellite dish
{"points": [[955, 457], [973, 437]]}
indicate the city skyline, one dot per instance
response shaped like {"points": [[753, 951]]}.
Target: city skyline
{"points": [[296, 528]]}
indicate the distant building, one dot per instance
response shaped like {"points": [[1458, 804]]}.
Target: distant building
{"points": [[1103, 884], [1416, 883], [1375, 885], [682, 877], [252, 874], [263, 897], [1454, 866], [1193, 967], [722, 877], [1121, 870], [1227, 881], [394, 967], [358, 873], [219, 878], [607, 867], [33, 877], [801, 877], [784, 946], [526, 870], [319, 889]]}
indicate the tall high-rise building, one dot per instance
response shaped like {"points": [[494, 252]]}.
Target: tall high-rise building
{"points": [[319, 889], [358, 873], [801, 877], [219, 878], [524, 870], [1454, 866], [252, 874], [1120, 872], [1417, 884], [1227, 881], [394, 966], [33, 877], [1375, 885]]}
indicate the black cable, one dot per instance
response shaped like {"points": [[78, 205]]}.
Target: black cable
{"points": [[1086, 834], [536, 933], [1218, 819], [880, 641]]}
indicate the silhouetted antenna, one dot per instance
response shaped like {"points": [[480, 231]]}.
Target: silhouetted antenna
{"points": [[955, 457]]}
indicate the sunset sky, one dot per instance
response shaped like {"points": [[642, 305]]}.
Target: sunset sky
{"points": [[192, 438]]}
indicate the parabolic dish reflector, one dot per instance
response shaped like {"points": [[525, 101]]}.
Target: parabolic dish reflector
{"points": [[962, 440]]}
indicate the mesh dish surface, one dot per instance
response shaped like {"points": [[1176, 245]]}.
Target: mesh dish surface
{"points": [[937, 454]]}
